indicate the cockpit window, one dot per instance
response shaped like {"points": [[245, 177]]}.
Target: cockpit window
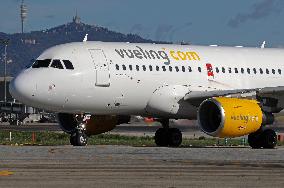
{"points": [[41, 63], [68, 64], [56, 63]]}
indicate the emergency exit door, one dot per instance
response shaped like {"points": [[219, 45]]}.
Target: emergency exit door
{"points": [[210, 72], [101, 67]]}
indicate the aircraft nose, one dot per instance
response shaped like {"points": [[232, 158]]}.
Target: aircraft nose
{"points": [[22, 88]]}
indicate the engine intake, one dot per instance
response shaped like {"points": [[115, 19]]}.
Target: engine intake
{"points": [[230, 117]]}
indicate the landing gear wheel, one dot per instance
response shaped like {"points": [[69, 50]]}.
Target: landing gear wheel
{"points": [[168, 137], [266, 139], [254, 140], [81, 139], [72, 139], [269, 139], [175, 137], [78, 139], [161, 137]]}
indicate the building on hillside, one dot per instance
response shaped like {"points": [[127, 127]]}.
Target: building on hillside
{"points": [[76, 19]]}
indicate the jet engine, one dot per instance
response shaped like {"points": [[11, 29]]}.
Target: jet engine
{"points": [[94, 125], [231, 117]]}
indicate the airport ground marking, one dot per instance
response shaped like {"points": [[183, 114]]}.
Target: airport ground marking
{"points": [[6, 173]]}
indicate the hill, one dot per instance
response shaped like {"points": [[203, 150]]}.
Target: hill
{"points": [[23, 48]]}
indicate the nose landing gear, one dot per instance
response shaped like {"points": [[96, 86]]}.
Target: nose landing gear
{"points": [[79, 136], [166, 136]]}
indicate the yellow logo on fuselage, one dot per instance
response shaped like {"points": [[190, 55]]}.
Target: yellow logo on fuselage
{"points": [[140, 53], [179, 55]]}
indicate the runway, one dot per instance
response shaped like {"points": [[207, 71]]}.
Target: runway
{"points": [[122, 166]]}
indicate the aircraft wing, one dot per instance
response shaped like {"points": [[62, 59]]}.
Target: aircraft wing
{"points": [[196, 97], [272, 91]]}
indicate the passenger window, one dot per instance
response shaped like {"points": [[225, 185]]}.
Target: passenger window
{"points": [[144, 68], [267, 71], [230, 70], [56, 64], [183, 69], [189, 69], [157, 68], [273, 71], [199, 69], [41, 63], [137, 67], [279, 71], [177, 69], [150, 68], [130, 67], [223, 70], [248, 70], [236, 70], [217, 69], [170, 68], [164, 68], [123, 67], [254, 70], [117, 67], [261, 71], [68, 64], [242, 70]]}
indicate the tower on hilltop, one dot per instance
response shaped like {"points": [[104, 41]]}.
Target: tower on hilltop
{"points": [[76, 19], [24, 13]]}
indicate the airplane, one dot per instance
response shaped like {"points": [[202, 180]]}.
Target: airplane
{"points": [[94, 86]]}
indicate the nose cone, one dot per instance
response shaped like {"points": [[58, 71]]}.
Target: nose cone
{"points": [[23, 88]]}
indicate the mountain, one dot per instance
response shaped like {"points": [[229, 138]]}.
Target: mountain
{"points": [[23, 48]]}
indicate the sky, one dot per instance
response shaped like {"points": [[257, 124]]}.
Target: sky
{"points": [[204, 22]]}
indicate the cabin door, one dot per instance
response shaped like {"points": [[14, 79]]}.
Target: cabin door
{"points": [[101, 67]]}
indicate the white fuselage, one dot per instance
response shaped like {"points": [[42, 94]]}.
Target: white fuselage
{"points": [[106, 79]]}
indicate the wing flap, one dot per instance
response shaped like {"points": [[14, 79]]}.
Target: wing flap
{"points": [[274, 91]]}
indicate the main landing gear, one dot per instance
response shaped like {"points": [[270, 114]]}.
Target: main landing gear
{"points": [[79, 136], [166, 136], [263, 139]]}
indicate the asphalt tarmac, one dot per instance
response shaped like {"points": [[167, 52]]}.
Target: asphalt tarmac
{"points": [[134, 129], [122, 166]]}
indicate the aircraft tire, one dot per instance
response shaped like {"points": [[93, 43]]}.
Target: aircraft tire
{"points": [[72, 140], [254, 140], [78, 139], [175, 137], [269, 139], [161, 137]]}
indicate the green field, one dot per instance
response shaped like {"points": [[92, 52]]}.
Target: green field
{"points": [[54, 138]]}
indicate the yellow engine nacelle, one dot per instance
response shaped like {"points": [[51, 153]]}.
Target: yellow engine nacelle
{"points": [[230, 117]]}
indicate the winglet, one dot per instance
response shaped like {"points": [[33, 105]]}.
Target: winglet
{"points": [[85, 38]]}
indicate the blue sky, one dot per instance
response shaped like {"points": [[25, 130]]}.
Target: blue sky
{"points": [[223, 22]]}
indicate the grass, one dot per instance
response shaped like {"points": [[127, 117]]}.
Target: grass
{"points": [[56, 138]]}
